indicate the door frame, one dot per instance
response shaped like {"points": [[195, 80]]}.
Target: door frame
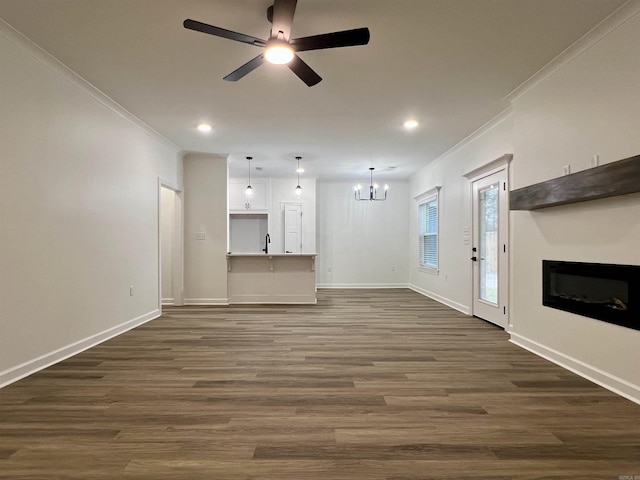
{"points": [[178, 243], [498, 165]]}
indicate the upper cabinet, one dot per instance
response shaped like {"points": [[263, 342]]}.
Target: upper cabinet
{"points": [[259, 202]]}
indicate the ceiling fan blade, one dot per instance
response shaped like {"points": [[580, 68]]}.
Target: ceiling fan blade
{"points": [[304, 71], [245, 69], [283, 11], [222, 32], [345, 38]]}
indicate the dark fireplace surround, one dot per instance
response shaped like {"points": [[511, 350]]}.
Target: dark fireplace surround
{"points": [[606, 292]]}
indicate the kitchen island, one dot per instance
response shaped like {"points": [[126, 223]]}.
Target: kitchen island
{"points": [[271, 278]]}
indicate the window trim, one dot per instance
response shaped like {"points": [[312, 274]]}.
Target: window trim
{"points": [[423, 198]]}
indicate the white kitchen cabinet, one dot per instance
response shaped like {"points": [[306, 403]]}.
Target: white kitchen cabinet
{"points": [[260, 201]]}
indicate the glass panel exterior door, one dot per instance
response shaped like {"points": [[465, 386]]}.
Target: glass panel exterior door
{"points": [[488, 242], [489, 251]]}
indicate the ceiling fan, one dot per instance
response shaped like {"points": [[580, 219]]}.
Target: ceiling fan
{"points": [[280, 48]]}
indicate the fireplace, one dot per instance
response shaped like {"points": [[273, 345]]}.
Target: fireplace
{"points": [[607, 292]]}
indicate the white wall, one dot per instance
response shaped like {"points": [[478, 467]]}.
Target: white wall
{"points": [[247, 232], [360, 243], [78, 212], [205, 207], [590, 106], [453, 283]]}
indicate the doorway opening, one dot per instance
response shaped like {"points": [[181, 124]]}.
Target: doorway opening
{"points": [[170, 262]]}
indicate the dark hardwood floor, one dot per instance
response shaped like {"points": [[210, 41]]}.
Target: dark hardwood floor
{"points": [[368, 384]]}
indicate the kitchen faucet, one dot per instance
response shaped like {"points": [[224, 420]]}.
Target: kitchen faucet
{"points": [[267, 241]]}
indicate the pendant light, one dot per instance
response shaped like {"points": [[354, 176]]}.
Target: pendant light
{"points": [[373, 190], [249, 190], [299, 171]]}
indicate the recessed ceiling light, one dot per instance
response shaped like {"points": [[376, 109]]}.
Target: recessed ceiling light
{"points": [[204, 127], [411, 124]]}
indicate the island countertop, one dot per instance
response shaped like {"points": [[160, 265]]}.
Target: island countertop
{"points": [[231, 254]]}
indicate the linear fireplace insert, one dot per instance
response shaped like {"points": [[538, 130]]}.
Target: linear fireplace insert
{"points": [[607, 292]]}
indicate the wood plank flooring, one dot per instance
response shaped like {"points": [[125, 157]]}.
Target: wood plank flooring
{"points": [[381, 385]]}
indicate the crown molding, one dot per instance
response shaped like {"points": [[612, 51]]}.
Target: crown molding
{"points": [[620, 16], [37, 52], [491, 124]]}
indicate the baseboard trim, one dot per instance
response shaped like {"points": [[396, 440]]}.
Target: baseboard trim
{"points": [[206, 301], [438, 298], [168, 301], [362, 285], [606, 380], [32, 366], [274, 302]]}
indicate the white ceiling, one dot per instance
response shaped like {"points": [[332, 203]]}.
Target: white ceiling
{"points": [[447, 63]]}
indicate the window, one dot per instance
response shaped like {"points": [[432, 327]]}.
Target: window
{"points": [[428, 229]]}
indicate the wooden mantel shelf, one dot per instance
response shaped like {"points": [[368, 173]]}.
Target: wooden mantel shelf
{"points": [[609, 180]]}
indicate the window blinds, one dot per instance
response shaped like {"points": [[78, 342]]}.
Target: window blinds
{"points": [[428, 218]]}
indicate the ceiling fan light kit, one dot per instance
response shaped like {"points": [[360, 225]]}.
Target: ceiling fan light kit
{"points": [[280, 48], [278, 52]]}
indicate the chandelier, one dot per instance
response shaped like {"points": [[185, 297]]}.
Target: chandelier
{"points": [[373, 190]]}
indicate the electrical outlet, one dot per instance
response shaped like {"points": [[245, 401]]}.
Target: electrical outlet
{"points": [[329, 269], [393, 268], [566, 170], [131, 291], [200, 236], [595, 160]]}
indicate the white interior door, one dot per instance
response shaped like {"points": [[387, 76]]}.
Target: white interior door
{"points": [[293, 228], [489, 250]]}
